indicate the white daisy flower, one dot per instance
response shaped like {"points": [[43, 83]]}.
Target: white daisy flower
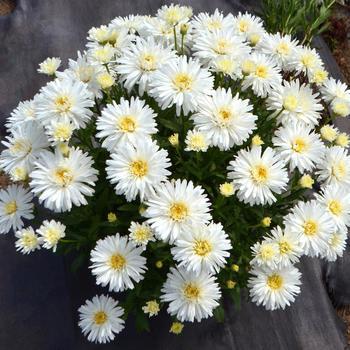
{"points": [[295, 103], [336, 201], [205, 22], [340, 107], [336, 245], [58, 131], [51, 232], [299, 146], [181, 82], [125, 122], [196, 141], [84, 71], [61, 181], [281, 48], [24, 146], [202, 248], [132, 23], [140, 61], [265, 253], [228, 65], [138, 169], [140, 234], [274, 289], [174, 14], [161, 31], [101, 55], [175, 207], [23, 113], [118, 263], [333, 89], [190, 296], [312, 223], [264, 76], [306, 60], [288, 245], [245, 25], [209, 46], [100, 319], [335, 167], [49, 66], [15, 204], [27, 241], [226, 120], [258, 175], [65, 100]]}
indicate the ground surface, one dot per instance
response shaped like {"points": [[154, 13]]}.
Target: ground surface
{"points": [[38, 294]]}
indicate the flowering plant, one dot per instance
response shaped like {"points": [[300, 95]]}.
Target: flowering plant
{"points": [[176, 154]]}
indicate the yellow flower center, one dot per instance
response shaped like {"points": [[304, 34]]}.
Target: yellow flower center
{"points": [[248, 67], [173, 16], [225, 114], [117, 262], [197, 142], [178, 211], [335, 207], [148, 62], [191, 292], [139, 168], [261, 71], [260, 174], [310, 227], [176, 328], [243, 25], [222, 47], [308, 60], [63, 176], [341, 108], [339, 170], [29, 240], [183, 81], [299, 145], [100, 318], [275, 282], [21, 146], [127, 123], [63, 104], [267, 252], [142, 233], [202, 247], [10, 207], [63, 132], [335, 240], [52, 235], [283, 48], [285, 247], [214, 24], [290, 103]]}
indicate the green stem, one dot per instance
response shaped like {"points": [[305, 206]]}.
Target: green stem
{"points": [[175, 38]]}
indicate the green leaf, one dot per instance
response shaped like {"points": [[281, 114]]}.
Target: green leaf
{"points": [[142, 322], [169, 124], [219, 314]]}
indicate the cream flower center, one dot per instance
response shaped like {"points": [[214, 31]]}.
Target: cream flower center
{"points": [[29, 240], [214, 24], [335, 241], [63, 132], [260, 174], [290, 103], [52, 235], [261, 71], [267, 252], [63, 176], [299, 145], [225, 114], [283, 48], [10, 207], [310, 227], [142, 234], [223, 47], [63, 104], [127, 123], [202, 247], [243, 25], [21, 146], [117, 262], [191, 292], [100, 318], [178, 211], [335, 207], [183, 81], [139, 168], [339, 170], [275, 281], [308, 60], [285, 247], [148, 62]]}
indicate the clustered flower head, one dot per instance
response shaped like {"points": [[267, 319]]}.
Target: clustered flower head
{"points": [[183, 148]]}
